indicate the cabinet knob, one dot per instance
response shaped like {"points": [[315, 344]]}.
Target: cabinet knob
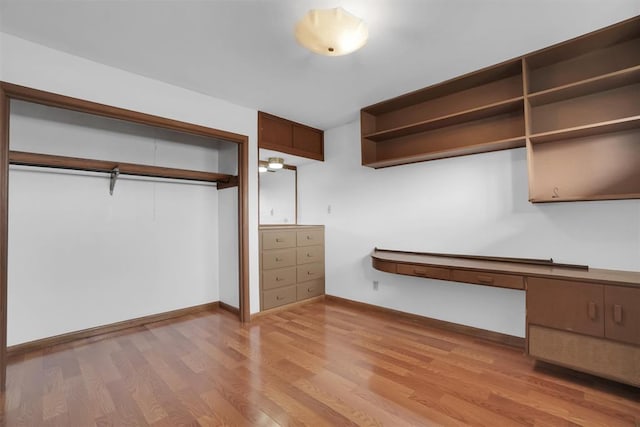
{"points": [[278, 279], [309, 255], [309, 237], [278, 259], [593, 310], [617, 313], [278, 297], [279, 240], [309, 290]]}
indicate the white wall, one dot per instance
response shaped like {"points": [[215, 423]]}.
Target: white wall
{"points": [[36, 66], [80, 257], [470, 205]]}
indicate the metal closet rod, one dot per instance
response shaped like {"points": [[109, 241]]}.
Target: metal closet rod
{"points": [[76, 163]]}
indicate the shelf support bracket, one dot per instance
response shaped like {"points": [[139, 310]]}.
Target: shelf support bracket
{"points": [[115, 172]]}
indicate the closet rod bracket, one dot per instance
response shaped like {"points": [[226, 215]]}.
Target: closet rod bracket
{"points": [[115, 172]]}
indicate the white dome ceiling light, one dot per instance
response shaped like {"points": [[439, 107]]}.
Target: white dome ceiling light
{"points": [[331, 32]]}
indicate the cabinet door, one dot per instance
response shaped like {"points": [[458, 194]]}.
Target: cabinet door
{"points": [[622, 314], [274, 132], [307, 139], [561, 304]]}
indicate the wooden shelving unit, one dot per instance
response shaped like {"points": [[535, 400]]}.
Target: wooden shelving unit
{"points": [[575, 106]]}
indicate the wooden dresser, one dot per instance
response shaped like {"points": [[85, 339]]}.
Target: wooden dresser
{"points": [[291, 264], [583, 318]]}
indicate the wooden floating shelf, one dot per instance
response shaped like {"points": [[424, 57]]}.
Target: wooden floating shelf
{"points": [[503, 144], [478, 113], [577, 105], [602, 83], [587, 130], [75, 163]]}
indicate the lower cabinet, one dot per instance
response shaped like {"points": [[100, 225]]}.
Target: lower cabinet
{"points": [[589, 327], [291, 264]]}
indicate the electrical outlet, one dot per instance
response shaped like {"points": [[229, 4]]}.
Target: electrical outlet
{"points": [[329, 209], [375, 285]]}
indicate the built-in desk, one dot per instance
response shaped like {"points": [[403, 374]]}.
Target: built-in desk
{"points": [[584, 318]]}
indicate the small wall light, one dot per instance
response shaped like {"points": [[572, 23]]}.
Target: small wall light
{"points": [[331, 32], [262, 166], [276, 162]]}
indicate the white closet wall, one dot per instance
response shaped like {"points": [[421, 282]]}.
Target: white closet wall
{"points": [[79, 257]]}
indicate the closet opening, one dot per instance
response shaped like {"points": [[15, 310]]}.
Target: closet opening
{"points": [[115, 216]]}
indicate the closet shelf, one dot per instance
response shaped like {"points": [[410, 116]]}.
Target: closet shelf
{"points": [[478, 113], [484, 147], [601, 83], [75, 163], [586, 197], [586, 130]]}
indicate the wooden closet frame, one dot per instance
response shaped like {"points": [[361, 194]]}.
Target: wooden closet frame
{"points": [[9, 91]]}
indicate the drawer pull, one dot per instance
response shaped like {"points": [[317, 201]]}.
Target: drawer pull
{"points": [[310, 273], [278, 297], [309, 237], [617, 313], [309, 255], [592, 310], [279, 279], [485, 279], [279, 240], [278, 259], [309, 290]]}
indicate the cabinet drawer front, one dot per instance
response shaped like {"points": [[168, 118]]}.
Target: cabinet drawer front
{"points": [[598, 356], [278, 258], [310, 289], [308, 254], [310, 237], [277, 278], [278, 239], [622, 314], [424, 271], [277, 297], [561, 304], [488, 279], [310, 272]]}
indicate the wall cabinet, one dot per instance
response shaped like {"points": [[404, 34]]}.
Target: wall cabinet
{"points": [[276, 133], [291, 264], [573, 105], [585, 326]]}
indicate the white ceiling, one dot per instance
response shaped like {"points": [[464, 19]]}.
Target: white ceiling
{"points": [[244, 51]]}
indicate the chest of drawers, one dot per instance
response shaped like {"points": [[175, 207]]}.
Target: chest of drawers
{"points": [[291, 264]]}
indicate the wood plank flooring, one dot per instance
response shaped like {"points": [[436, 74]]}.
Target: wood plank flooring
{"points": [[321, 364]]}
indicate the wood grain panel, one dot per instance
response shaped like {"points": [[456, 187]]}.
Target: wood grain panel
{"points": [[279, 296], [4, 229], [561, 304], [308, 139], [278, 277], [310, 289], [310, 237], [278, 258], [617, 361], [278, 239], [622, 314], [309, 254]]}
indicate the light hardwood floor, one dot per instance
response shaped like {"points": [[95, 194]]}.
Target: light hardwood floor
{"points": [[319, 364]]}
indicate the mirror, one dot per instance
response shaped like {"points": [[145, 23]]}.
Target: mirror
{"points": [[278, 196]]}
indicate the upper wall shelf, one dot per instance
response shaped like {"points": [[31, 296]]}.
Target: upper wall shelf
{"points": [[575, 106], [276, 133]]}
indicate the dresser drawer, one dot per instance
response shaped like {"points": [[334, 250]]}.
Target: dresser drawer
{"points": [[278, 258], [278, 278], [310, 237], [309, 254], [310, 272], [278, 239], [310, 289], [423, 271], [279, 296], [488, 279]]}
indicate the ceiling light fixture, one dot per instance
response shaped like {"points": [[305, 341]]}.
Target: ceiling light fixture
{"points": [[276, 162], [331, 32], [262, 166]]}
